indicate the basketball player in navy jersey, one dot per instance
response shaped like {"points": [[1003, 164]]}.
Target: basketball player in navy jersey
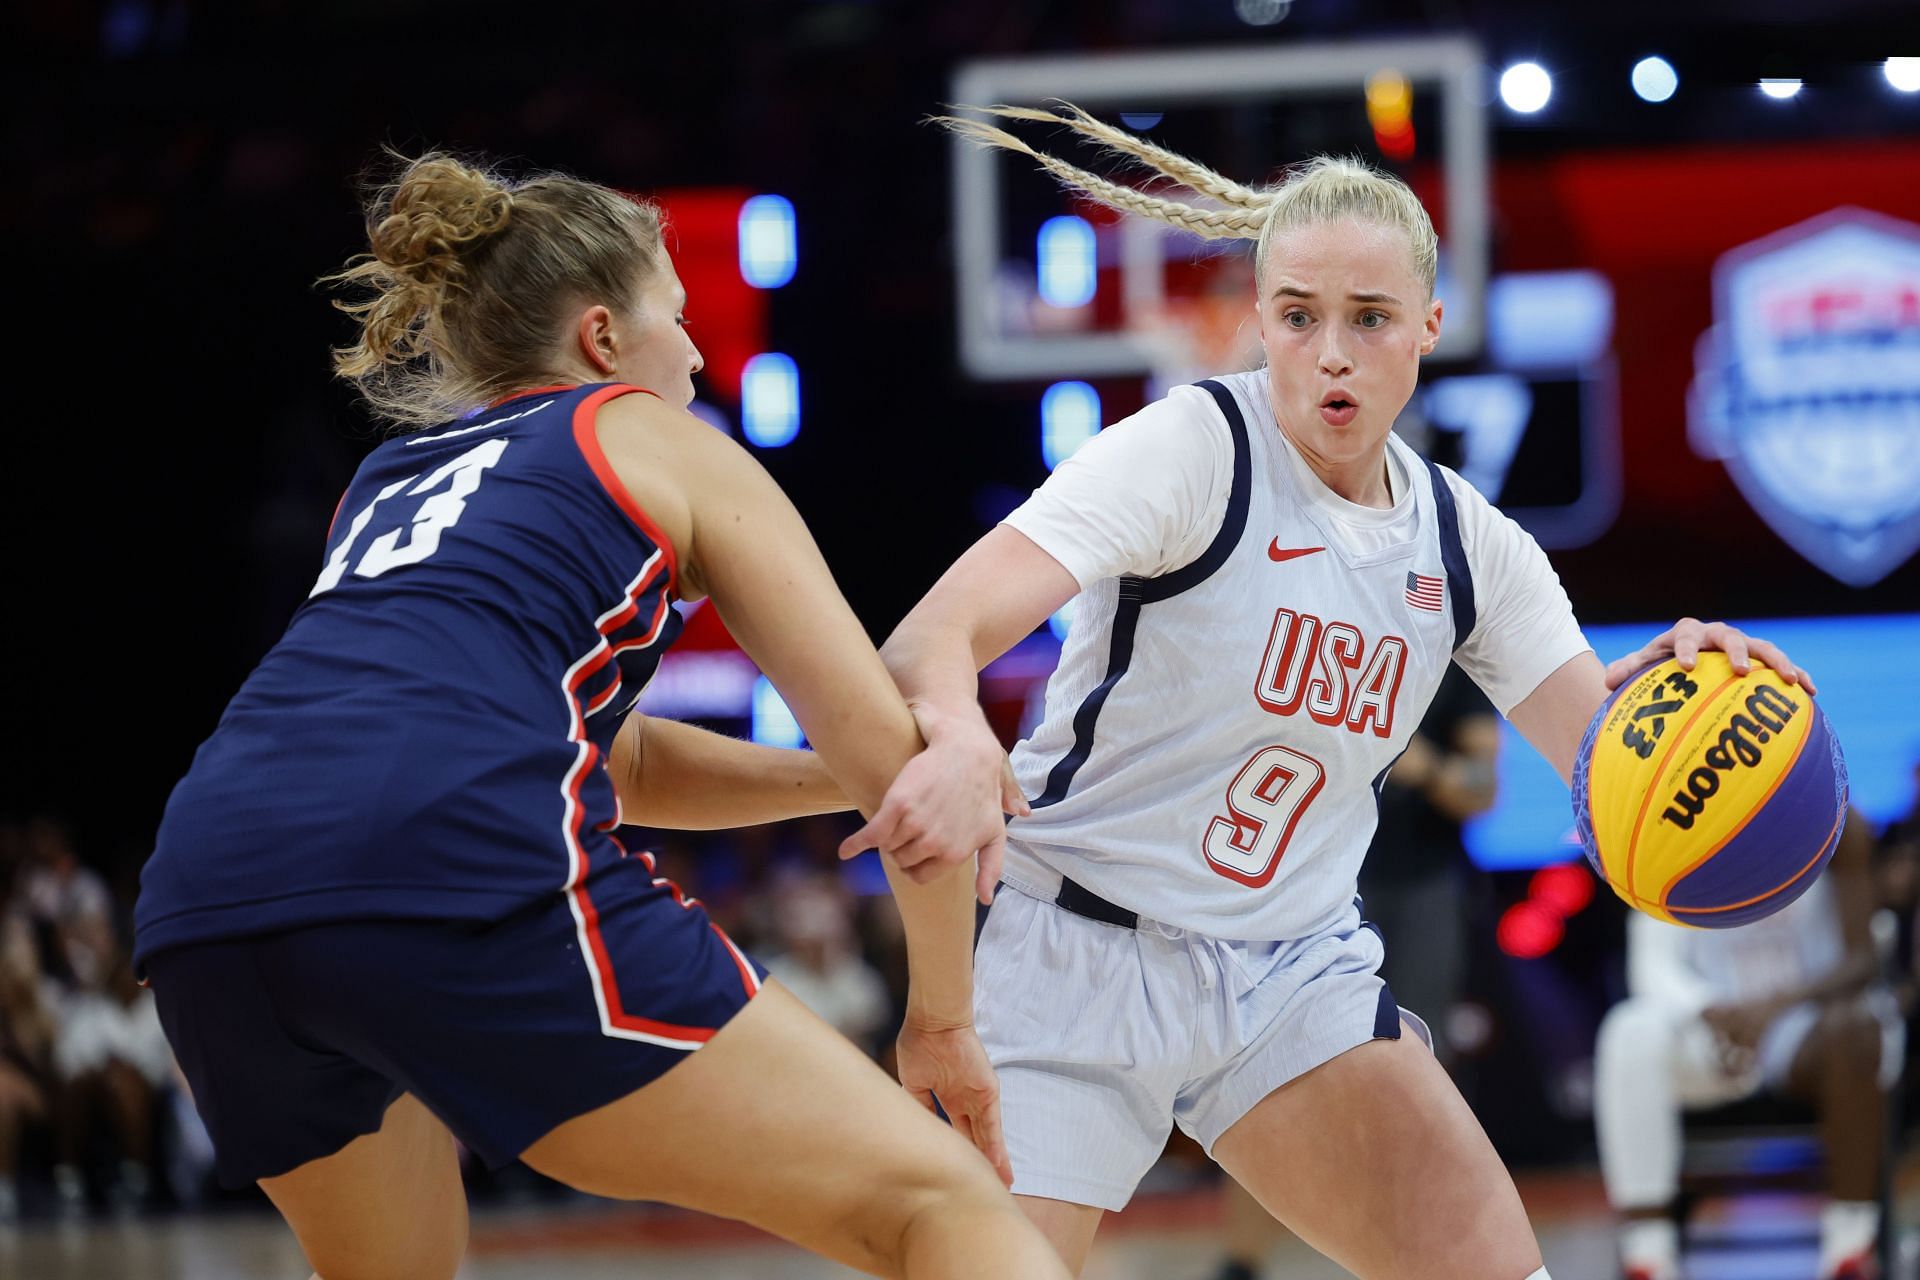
{"points": [[1271, 586], [387, 906]]}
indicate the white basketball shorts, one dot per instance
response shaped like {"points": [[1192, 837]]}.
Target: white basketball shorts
{"points": [[1105, 1036]]}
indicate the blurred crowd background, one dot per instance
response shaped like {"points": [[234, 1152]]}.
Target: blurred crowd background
{"points": [[184, 171]]}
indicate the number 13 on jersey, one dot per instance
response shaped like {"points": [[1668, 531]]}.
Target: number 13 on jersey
{"points": [[1264, 804], [434, 517]]}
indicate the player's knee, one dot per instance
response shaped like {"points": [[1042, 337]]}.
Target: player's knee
{"points": [[960, 1194]]}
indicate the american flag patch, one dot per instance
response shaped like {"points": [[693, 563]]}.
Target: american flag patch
{"points": [[1424, 592]]}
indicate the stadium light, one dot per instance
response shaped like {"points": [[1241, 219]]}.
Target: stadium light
{"points": [[1781, 88], [1528, 930], [1061, 620], [1262, 13], [773, 722], [1067, 261], [1903, 74], [1654, 79], [767, 254], [770, 400], [1390, 112], [1525, 87], [1069, 417]]}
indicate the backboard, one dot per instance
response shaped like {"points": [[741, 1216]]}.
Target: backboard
{"points": [[1248, 112]]}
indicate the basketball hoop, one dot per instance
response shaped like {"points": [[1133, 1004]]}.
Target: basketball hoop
{"points": [[1211, 330]]}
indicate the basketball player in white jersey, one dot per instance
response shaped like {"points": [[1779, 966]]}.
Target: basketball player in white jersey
{"points": [[1270, 588], [1788, 1004]]}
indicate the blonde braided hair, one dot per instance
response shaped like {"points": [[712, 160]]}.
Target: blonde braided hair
{"points": [[1170, 164], [1324, 189]]}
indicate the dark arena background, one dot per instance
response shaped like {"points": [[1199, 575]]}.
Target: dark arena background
{"points": [[1680, 254]]}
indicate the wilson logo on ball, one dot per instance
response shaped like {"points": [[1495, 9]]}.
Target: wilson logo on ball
{"points": [[1739, 744], [1708, 797]]}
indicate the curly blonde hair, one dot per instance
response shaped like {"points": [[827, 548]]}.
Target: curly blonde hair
{"points": [[470, 277], [1325, 188]]}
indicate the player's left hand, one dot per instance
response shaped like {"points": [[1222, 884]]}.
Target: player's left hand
{"points": [[1686, 638], [950, 1064]]}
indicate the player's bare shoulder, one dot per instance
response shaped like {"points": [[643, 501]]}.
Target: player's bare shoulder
{"points": [[656, 451], [682, 471]]}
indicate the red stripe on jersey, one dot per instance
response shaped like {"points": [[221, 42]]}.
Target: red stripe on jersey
{"points": [[334, 520], [749, 982], [653, 629], [610, 989], [533, 391], [588, 440], [579, 864], [599, 704]]}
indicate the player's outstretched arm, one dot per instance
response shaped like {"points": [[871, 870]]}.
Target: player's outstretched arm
{"points": [[1554, 717], [685, 778], [994, 596], [740, 541]]}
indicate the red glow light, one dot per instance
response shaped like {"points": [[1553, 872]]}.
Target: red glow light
{"points": [[1566, 888], [1529, 930], [1396, 141]]}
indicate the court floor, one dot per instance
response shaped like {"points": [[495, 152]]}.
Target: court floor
{"points": [[1166, 1236]]}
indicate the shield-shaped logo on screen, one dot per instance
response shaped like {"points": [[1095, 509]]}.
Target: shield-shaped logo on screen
{"points": [[1808, 387]]}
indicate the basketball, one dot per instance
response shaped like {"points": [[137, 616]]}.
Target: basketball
{"points": [[1708, 798]]}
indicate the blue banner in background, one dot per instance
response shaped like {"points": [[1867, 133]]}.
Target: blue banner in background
{"points": [[1868, 671]]}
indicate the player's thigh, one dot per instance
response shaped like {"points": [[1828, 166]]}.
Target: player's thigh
{"points": [[1844, 1043], [1068, 1227], [388, 1204], [780, 1122], [1374, 1159]]}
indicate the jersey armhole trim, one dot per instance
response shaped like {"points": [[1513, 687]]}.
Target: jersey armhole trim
{"points": [[334, 522], [1239, 495], [1126, 619], [1453, 556], [585, 416]]}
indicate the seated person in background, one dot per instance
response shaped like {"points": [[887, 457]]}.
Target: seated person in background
{"points": [[113, 1065], [1790, 1004], [27, 1033], [67, 902], [819, 960], [1896, 865]]}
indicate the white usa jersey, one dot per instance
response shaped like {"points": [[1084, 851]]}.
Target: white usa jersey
{"points": [[1215, 736]]}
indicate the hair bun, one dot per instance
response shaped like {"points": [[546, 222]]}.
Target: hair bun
{"points": [[451, 317], [437, 209]]}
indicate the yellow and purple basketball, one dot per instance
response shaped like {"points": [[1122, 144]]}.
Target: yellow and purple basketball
{"points": [[1706, 797]]}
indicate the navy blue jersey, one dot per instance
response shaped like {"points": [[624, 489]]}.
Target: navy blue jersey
{"points": [[429, 737]]}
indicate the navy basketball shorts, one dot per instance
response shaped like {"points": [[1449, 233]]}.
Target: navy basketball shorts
{"points": [[296, 1043]]}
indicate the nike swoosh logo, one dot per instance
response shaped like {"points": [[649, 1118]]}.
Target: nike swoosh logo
{"points": [[1277, 552]]}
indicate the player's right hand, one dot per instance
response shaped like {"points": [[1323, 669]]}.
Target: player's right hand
{"points": [[949, 802], [1686, 638]]}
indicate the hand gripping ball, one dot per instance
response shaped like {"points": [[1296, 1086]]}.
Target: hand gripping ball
{"points": [[1706, 797]]}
